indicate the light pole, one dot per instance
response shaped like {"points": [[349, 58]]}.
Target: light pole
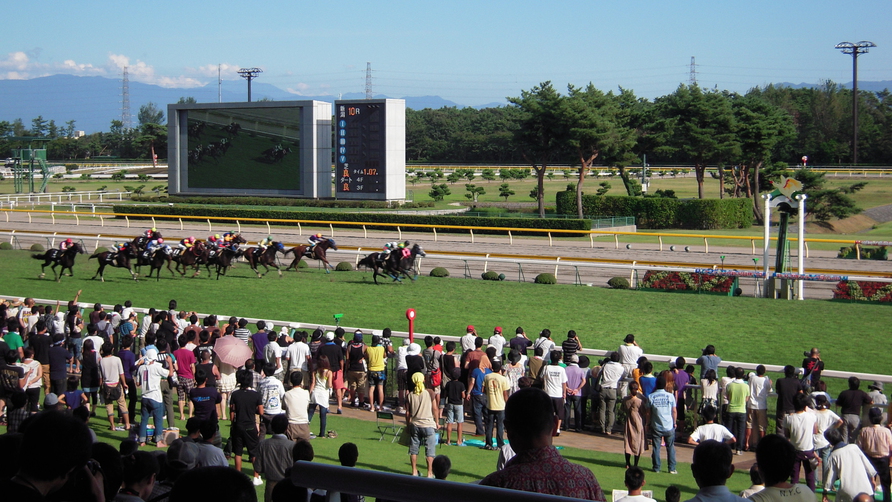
{"points": [[862, 47], [249, 74]]}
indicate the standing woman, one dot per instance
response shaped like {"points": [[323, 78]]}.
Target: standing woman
{"points": [[320, 392], [35, 374], [710, 385], [634, 439], [514, 371], [226, 382], [90, 375], [74, 327]]}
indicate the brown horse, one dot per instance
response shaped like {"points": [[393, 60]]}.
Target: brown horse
{"points": [[156, 261], [194, 257], [266, 258], [57, 258], [222, 258], [119, 259], [318, 253]]}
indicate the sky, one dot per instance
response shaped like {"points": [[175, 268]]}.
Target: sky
{"points": [[470, 52]]}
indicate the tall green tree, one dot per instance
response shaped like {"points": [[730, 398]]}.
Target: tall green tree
{"points": [[39, 126], [542, 132], [827, 203], [150, 114], [697, 126]]}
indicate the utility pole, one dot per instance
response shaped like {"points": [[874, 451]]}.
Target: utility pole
{"points": [[125, 101], [249, 74], [219, 85], [368, 81], [693, 77], [862, 47]]}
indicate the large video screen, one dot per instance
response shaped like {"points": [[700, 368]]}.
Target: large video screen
{"points": [[244, 148]]}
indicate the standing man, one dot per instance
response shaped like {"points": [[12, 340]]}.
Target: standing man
{"points": [[611, 374], [520, 342], [151, 372], [629, 353], [570, 346], [801, 428], [114, 385], [876, 443], [357, 375], [661, 415], [757, 407], [59, 358], [335, 355], [274, 456], [496, 386], [848, 465], [708, 361], [498, 342], [296, 404], [467, 341], [478, 397], [575, 383], [245, 404], [272, 392], [554, 378], [738, 392], [786, 388], [850, 403], [41, 343], [258, 342], [775, 457], [298, 354]]}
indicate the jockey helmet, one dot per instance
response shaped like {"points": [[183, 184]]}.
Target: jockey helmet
{"points": [[160, 241], [212, 239], [319, 236], [216, 236], [191, 239], [154, 229], [68, 241]]}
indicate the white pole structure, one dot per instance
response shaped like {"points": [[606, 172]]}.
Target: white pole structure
{"points": [[801, 252], [766, 242]]}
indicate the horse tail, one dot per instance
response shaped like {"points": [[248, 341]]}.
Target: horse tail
{"points": [[39, 256], [367, 262], [94, 255], [289, 251]]}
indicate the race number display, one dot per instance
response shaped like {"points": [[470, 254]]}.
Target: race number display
{"points": [[360, 139]]}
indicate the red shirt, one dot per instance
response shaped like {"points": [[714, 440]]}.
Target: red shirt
{"points": [[185, 360]]}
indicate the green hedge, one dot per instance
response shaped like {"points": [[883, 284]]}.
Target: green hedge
{"points": [[404, 221], [659, 212], [280, 201]]}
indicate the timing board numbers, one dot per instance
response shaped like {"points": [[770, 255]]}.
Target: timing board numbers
{"points": [[359, 154]]}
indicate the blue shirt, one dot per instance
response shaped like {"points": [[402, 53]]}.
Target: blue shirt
{"points": [[478, 375], [710, 362], [648, 384], [661, 404]]}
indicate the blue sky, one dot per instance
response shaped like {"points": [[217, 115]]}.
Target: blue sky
{"points": [[470, 52]]}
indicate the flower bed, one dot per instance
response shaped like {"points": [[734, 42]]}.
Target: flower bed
{"points": [[864, 291], [686, 281]]}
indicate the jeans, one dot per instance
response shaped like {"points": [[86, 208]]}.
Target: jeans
{"points": [[669, 437], [576, 404], [608, 410], [323, 416], [479, 404], [152, 408], [738, 428], [76, 346], [499, 418], [802, 460], [881, 464]]}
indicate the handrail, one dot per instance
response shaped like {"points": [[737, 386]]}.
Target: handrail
{"points": [[591, 233]]}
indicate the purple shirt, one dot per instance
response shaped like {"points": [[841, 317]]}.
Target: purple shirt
{"points": [[260, 341], [681, 380], [575, 376], [128, 360]]}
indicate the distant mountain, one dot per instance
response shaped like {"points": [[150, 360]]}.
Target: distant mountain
{"points": [[875, 86], [93, 102]]}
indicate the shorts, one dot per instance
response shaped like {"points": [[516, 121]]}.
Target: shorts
{"points": [[184, 386], [454, 413], [428, 435], [401, 383], [337, 382], [241, 438], [757, 419], [298, 431], [107, 391], [357, 380], [557, 403], [377, 377]]}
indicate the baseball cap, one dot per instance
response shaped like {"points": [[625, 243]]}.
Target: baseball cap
{"points": [[357, 337], [329, 335], [498, 329], [469, 328], [182, 455], [574, 358], [51, 400]]}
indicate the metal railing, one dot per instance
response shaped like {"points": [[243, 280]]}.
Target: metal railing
{"points": [[14, 200]]}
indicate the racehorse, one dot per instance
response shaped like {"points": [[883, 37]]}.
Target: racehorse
{"points": [[222, 258], [318, 254], [140, 243], [194, 256], [267, 258], [120, 259], [398, 262], [65, 259], [156, 261]]}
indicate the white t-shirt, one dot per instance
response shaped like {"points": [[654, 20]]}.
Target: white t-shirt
{"points": [[826, 418], [497, 341], [716, 432], [272, 392], [97, 342], [636, 498], [554, 376], [297, 353], [629, 354], [799, 493], [547, 345], [851, 467], [296, 401], [760, 387], [111, 368], [801, 430], [467, 342]]}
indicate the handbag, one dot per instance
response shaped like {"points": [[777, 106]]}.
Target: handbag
{"points": [[815, 462]]}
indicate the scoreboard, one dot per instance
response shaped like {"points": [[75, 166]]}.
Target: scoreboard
{"points": [[369, 148]]}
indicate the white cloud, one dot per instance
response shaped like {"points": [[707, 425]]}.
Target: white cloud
{"points": [[300, 89], [227, 71], [18, 61]]}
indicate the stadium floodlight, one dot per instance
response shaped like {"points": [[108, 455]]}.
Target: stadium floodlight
{"points": [[249, 74], [855, 49]]}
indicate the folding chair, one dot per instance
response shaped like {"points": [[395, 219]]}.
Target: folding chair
{"points": [[387, 424]]}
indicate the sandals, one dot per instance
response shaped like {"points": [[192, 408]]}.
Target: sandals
{"points": [[331, 434]]}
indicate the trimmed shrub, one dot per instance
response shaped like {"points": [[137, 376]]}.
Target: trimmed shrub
{"points": [[404, 221], [37, 247], [344, 266], [5, 246], [619, 283], [501, 277], [661, 212], [490, 276], [439, 272], [546, 279]]}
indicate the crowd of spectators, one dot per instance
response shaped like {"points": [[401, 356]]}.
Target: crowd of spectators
{"points": [[526, 391]]}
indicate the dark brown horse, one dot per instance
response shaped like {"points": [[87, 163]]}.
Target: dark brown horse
{"points": [[194, 257], [266, 258], [59, 258], [318, 253], [156, 261], [221, 258], [398, 262], [119, 259]]}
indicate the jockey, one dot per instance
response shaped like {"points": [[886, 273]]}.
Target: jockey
{"points": [[153, 246], [150, 233], [388, 248], [67, 243], [186, 243], [313, 240], [265, 243]]}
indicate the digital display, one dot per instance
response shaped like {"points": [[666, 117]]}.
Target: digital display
{"points": [[360, 148], [244, 148]]}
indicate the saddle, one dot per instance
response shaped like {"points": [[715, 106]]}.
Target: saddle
{"points": [[212, 253], [54, 253]]}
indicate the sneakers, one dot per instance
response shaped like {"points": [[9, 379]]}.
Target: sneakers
{"points": [[331, 434], [312, 436], [673, 472], [258, 481], [740, 452]]}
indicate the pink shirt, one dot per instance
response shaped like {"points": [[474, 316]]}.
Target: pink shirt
{"points": [[185, 360]]}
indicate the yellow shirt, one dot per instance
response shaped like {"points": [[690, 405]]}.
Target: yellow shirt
{"points": [[495, 385], [376, 358]]}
